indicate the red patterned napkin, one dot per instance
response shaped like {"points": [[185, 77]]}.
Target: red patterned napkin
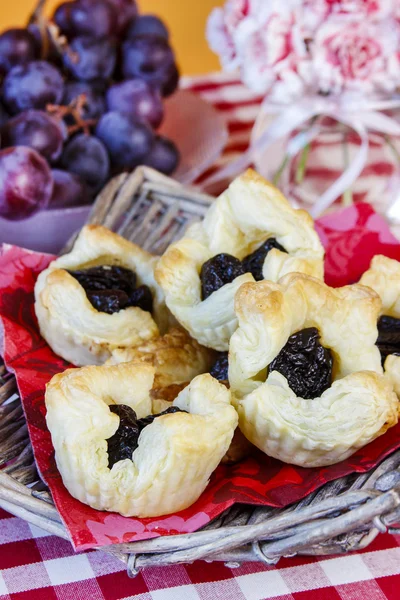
{"points": [[351, 237]]}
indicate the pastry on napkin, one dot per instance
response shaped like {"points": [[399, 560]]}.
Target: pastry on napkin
{"points": [[249, 233], [305, 371]]}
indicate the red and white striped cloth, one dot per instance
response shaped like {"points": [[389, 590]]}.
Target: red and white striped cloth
{"points": [[236, 103], [37, 566]]}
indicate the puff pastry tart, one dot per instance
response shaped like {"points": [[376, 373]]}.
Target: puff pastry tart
{"points": [[305, 371], [383, 276], [177, 359], [113, 454], [99, 297], [249, 233]]}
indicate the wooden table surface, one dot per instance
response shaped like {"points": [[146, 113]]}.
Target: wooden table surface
{"points": [[186, 19]]}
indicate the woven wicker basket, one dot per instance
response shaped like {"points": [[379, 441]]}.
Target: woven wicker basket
{"points": [[343, 516]]}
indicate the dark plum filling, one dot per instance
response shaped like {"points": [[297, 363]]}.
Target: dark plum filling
{"points": [[125, 440], [305, 363], [111, 288], [219, 370], [218, 271], [254, 262], [388, 340], [224, 268]]}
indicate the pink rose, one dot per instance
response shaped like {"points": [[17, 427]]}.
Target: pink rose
{"points": [[356, 55], [272, 51]]}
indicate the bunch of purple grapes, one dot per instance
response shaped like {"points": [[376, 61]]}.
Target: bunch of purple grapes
{"points": [[75, 113]]}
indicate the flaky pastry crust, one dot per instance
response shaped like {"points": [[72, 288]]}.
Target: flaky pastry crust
{"points": [[383, 277], [176, 357], [238, 222], [69, 323], [392, 371], [314, 433], [358, 407], [176, 453]]}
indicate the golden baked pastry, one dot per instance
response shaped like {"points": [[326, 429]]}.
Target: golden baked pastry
{"points": [[67, 314], [250, 232], [392, 371], [166, 468], [177, 358], [383, 276], [305, 372]]}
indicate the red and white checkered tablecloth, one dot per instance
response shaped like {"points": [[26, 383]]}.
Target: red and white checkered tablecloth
{"points": [[38, 566]]}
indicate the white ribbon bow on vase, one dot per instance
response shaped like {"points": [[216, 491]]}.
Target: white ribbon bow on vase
{"points": [[361, 115]]}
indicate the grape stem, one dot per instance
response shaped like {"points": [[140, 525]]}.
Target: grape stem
{"points": [[49, 32], [37, 13], [74, 109], [38, 18]]}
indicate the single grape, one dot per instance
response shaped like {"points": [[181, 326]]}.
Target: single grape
{"points": [[26, 183], [95, 104], [87, 157], [89, 59], [93, 18], [69, 190], [127, 141], [136, 99], [148, 57], [147, 25], [127, 12], [17, 47], [62, 18], [38, 130], [34, 85], [164, 156]]}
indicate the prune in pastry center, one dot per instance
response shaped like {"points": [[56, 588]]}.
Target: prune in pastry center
{"points": [[125, 440], [305, 363], [150, 418], [219, 370], [254, 262], [142, 298], [108, 301], [106, 277], [389, 336], [218, 271], [111, 288], [224, 268]]}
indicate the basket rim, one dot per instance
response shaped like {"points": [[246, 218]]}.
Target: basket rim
{"points": [[371, 505], [342, 516]]}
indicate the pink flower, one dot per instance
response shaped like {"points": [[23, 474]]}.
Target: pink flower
{"points": [[271, 51], [285, 48], [315, 12], [221, 27], [356, 54], [220, 40], [378, 8]]}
